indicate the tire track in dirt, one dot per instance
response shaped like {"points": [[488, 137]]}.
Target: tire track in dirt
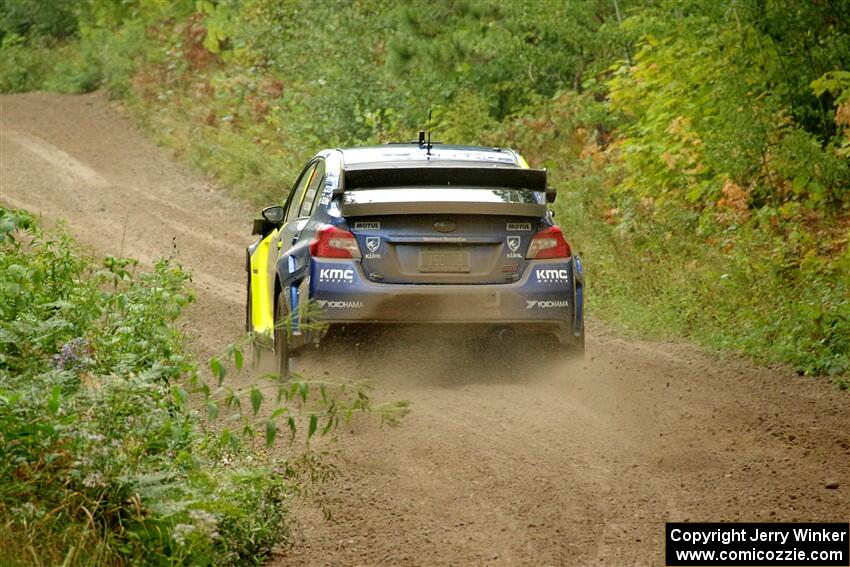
{"points": [[503, 461]]}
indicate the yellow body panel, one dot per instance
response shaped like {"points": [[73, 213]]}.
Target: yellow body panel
{"points": [[262, 308], [521, 161]]}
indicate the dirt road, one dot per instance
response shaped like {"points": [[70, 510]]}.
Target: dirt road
{"points": [[501, 462]]}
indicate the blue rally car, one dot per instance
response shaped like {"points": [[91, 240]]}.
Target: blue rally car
{"points": [[414, 233]]}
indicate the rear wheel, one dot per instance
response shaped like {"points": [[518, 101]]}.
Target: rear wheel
{"points": [[281, 338]]}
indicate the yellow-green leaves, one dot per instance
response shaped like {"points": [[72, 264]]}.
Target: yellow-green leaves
{"points": [[256, 399]]}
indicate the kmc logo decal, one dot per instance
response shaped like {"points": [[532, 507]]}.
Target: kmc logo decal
{"points": [[547, 275], [337, 275]]}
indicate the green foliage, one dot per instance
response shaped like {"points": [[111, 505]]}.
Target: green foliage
{"points": [[106, 321], [300, 404], [507, 53], [99, 462], [646, 277], [54, 19], [700, 128], [836, 84], [740, 155], [33, 37], [22, 67]]}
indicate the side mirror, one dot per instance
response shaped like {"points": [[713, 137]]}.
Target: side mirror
{"points": [[272, 217], [551, 193], [274, 214]]}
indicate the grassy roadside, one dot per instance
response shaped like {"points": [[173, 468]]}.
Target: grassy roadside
{"points": [[660, 270], [104, 461], [669, 286]]}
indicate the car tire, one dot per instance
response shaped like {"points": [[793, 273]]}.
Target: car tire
{"points": [[281, 338]]}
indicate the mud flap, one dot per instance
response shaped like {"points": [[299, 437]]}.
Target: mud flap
{"points": [[578, 296], [294, 308]]}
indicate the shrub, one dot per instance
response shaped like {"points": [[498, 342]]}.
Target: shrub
{"points": [[22, 67], [103, 461]]}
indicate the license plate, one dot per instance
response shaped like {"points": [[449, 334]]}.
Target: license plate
{"points": [[443, 261]]}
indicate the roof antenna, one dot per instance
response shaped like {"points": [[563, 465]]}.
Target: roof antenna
{"points": [[428, 147]]}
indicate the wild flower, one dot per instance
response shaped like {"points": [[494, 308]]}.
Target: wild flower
{"points": [[73, 354], [94, 480], [181, 532], [25, 512], [205, 522]]}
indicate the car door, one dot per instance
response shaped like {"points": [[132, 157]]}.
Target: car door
{"points": [[285, 231], [292, 256]]}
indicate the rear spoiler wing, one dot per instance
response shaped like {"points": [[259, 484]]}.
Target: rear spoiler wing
{"points": [[455, 176]]}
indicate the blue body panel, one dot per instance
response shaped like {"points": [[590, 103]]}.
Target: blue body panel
{"points": [[544, 294]]}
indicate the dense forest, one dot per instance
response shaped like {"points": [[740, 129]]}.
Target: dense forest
{"points": [[701, 148]]}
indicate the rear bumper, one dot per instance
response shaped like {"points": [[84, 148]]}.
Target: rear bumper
{"points": [[545, 296]]}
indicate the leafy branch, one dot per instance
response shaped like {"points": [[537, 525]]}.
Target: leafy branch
{"points": [[295, 405]]}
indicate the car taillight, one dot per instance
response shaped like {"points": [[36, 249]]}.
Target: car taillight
{"points": [[333, 242], [548, 243]]}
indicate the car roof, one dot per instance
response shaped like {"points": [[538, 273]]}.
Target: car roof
{"points": [[413, 152]]}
